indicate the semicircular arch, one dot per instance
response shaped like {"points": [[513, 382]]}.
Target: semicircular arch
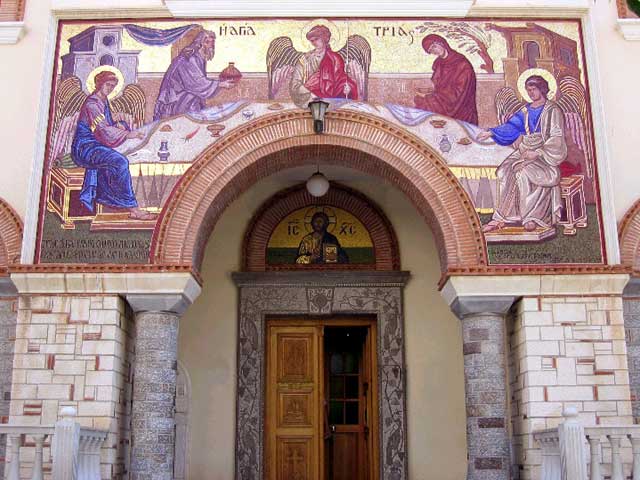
{"points": [[10, 235], [629, 236], [279, 206], [352, 139]]}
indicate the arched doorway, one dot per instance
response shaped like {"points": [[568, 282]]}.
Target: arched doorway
{"points": [[326, 314], [366, 145]]}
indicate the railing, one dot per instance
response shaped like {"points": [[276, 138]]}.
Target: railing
{"points": [[75, 451], [574, 452]]}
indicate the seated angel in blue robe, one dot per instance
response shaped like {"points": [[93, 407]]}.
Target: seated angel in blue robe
{"points": [[107, 179], [529, 179]]}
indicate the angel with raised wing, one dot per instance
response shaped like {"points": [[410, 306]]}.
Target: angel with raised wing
{"points": [[107, 179], [320, 73], [529, 179]]}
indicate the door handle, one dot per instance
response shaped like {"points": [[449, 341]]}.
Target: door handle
{"points": [[333, 429]]}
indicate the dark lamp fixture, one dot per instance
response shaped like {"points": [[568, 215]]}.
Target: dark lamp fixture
{"points": [[318, 109]]}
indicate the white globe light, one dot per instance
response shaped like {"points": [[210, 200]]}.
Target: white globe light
{"points": [[317, 185]]}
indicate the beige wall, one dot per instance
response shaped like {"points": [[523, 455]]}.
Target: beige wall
{"points": [[23, 67], [435, 389]]}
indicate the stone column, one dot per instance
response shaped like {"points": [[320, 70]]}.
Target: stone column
{"points": [[484, 342], [154, 384], [631, 305], [8, 317], [154, 389]]}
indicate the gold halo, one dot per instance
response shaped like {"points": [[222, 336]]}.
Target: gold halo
{"points": [[546, 74], [336, 34], [91, 80], [328, 211]]}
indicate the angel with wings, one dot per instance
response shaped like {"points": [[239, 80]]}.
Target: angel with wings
{"points": [[320, 73], [107, 179], [529, 179]]}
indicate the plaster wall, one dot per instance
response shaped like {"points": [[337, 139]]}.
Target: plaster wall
{"points": [[23, 79], [435, 380]]}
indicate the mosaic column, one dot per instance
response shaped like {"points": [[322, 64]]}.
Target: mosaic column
{"points": [[154, 390], [484, 344]]}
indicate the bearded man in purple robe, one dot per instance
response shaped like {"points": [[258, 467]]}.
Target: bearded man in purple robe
{"points": [[185, 86]]}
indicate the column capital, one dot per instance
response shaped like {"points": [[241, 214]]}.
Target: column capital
{"points": [[477, 305], [7, 288], [165, 294], [633, 288], [476, 295]]}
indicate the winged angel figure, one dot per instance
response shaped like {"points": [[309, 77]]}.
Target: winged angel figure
{"points": [[571, 97], [128, 107], [529, 179], [88, 128], [320, 73]]}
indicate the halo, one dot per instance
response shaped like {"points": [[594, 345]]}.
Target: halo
{"points": [[336, 34], [546, 74], [328, 211], [91, 80]]}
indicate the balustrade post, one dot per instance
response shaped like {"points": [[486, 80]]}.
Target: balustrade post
{"points": [[635, 447], [551, 466], [572, 439], [596, 458], [14, 441], [65, 446], [616, 458], [37, 462], [89, 467]]}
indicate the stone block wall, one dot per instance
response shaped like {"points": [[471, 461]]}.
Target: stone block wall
{"points": [[8, 309], [76, 350], [566, 351]]}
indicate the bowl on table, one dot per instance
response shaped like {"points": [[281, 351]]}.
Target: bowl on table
{"points": [[215, 129], [438, 123]]}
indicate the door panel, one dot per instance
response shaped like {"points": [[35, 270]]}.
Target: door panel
{"points": [[293, 403], [295, 458], [321, 409], [346, 465]]}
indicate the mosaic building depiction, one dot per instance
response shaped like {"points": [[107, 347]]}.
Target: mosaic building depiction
{"points": [[314, 242]]}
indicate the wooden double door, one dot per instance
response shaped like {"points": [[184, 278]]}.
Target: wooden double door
{"points": [[321, 403]]}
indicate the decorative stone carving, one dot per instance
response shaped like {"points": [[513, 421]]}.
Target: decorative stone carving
{"points": [[320, 300], [377, 293]]}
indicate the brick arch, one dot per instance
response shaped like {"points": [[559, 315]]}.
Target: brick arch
{"points": [[10, 235], [279, 206], [629, 232], [352, 139]]}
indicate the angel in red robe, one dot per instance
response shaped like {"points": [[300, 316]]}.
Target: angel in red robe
{"points": [[321, 73], [454, 83]]}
